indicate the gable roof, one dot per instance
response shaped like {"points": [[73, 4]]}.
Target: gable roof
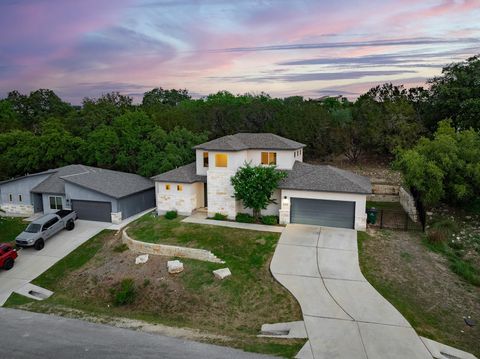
{"points": [[183, 174], [250, 141], [27, 176], [111, 183], [325, 178]]}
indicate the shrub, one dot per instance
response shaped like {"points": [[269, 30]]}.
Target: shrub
{"points": [[445, 225], [244, 218], [436, 236], [220, 217], [270, 220], [119, 248], [124, 292], [171, 215]]}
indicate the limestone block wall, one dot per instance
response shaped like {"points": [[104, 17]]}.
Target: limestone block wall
{"points": [[167, 250], [220, 193], [184, 201], [15, 208], [271, 210], [116, 217], [408, 203]]}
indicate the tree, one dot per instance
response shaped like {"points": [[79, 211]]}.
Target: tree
{"points": [[254, 186], [445, 168], [159, 96]]}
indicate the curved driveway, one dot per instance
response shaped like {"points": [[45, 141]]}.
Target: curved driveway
{"points": [[345, 317]]}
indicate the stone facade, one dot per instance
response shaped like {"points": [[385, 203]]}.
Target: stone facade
{"points": [[184, 201], [220, 193], [117, 217], [170, 251], [15, 208], [408, 203]]}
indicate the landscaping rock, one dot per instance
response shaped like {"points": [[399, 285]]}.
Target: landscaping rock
{"points": [[141, 259], [222, 273], [174, 267]]}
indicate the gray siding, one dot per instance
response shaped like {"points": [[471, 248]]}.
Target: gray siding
{"points": [[76, 192], [21, 186], [136, 203]]}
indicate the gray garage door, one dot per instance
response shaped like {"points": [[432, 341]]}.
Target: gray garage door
{"points": [[93, 210], [322, 212]]}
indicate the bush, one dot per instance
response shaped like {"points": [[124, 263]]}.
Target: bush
{"points": [[436, 236], [270, 220], [244, 218], [220, 217], [119, 248], [171, 215], [445, 225], [124, 292]]}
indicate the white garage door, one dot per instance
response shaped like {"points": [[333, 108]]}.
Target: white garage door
{"points": [[322, 212]]}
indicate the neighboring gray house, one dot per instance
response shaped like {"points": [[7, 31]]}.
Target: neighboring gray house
{"points": [[319, 195], [95, 194]]}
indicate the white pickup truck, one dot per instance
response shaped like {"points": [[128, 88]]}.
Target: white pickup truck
{"points": [[45, 227]]}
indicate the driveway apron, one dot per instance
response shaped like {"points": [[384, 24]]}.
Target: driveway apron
{"points": [[344, 316]]}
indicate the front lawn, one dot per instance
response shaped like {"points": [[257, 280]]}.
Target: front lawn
{"points": [[422, 286], [228, 312], [10, 227]]}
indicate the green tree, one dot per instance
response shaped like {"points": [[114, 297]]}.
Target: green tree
{"points": [[159, 96], [254, 186], [445, 168]]}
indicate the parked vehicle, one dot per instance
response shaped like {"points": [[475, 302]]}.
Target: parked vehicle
{"points": [[8, 254], [45, 227]]}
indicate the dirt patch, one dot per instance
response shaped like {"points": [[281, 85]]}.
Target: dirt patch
{"points": [[422, 286]]}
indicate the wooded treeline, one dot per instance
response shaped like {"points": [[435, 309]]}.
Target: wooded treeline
{"points": [[40, 131]]}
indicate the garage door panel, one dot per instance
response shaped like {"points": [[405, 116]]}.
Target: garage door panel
{"points": [[93, 210], [322, 212]]}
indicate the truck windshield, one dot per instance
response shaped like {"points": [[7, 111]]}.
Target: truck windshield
{"points": [[33, 228]]}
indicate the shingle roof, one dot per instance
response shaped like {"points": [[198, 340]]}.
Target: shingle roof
{"points": [[183, 174], [324, 178], [27, 175], [111, 183], [250, 141]]}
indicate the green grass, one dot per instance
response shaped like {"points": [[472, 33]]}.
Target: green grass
{"points": [[71, 262], [10, 227], [403, 301], [235, 307]]}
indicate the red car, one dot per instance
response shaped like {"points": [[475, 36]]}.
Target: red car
{"points": [[8, 254]]}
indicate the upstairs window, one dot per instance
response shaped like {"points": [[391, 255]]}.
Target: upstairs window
{"points": [[269, 158], [167, 187], [221, 160], [10, 197], [19, 198], [179, 187], [205, 159]]}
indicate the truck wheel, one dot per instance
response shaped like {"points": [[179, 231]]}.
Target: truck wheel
{"points": [[39, 244], [8, 264], [70, 225]]}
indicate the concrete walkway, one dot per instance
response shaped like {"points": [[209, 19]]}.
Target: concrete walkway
{"points": [[345, 317], [31, 263], [201, 218]]}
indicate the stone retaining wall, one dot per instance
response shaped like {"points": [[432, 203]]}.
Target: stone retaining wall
{"points": [[168, 250], [408, 203]]}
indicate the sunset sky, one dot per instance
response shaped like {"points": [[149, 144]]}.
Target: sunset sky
{"points": [[282, 47]]}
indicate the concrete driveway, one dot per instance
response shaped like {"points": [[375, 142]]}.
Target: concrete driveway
{"points": [[31, 263], [344, 316]]}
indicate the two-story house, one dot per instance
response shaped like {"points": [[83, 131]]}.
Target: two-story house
{"points": [[311, 194]]}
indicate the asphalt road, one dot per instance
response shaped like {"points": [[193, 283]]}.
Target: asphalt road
{"points": [[33, 335]]}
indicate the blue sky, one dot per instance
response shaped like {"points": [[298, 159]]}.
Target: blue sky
{"points": [[310, 48]]}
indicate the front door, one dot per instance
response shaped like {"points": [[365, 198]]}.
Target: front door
{"points": [[37, 202], [205, 195]]}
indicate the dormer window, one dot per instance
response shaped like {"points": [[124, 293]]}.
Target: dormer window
{"points": [[269, 158], [205, 159]]}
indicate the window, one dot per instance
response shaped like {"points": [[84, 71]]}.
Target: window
{"points": [[167, 187], [205, 159], [221, 160], [56, 203], [269, 158], [19, 198], [179, 187], [10, 197]]}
